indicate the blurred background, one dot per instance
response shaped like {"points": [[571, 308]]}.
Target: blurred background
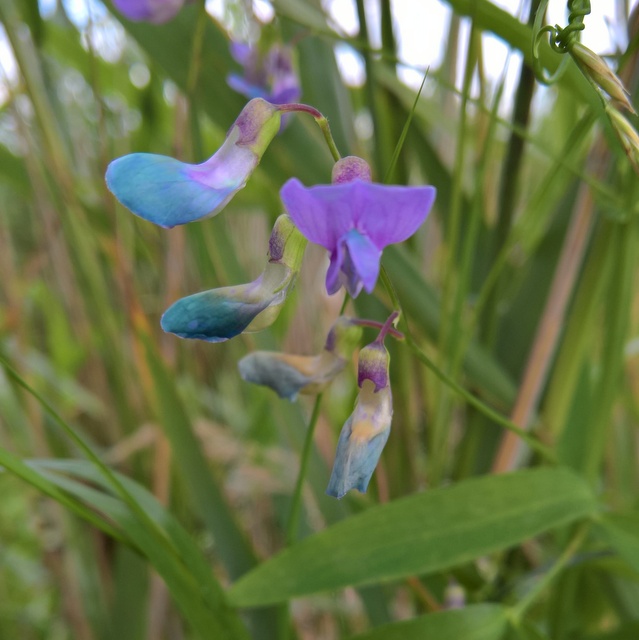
{"points": [[520, 287]]}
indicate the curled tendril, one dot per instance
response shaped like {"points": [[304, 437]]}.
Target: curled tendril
{"points": [[559, 38]]}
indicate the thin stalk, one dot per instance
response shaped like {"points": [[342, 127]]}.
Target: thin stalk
{"points": [[499, 419], [320, 119], [511, 170], [296, 501]]}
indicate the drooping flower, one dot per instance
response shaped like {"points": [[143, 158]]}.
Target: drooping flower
{"points": [[366, 431], [168, 192], [289, 375], [220, 314], [156, 11], [271, 76], [355, 219]]}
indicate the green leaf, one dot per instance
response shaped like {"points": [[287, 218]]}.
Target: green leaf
{"points": [[621, 531], [176, 558], [423, 533], [475, 622]]}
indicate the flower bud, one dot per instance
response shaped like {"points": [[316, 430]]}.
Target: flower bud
{"points": [[626, 134], [367, 429], [220, 314], [289, 375]]}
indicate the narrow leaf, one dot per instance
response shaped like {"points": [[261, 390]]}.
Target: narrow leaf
{"points": [[423, 533], [475, 622]]}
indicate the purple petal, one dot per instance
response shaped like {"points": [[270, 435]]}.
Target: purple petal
{"points": [[323, 213], [391, 214], [246, 88], [386, 214], [156, 11], [361, 265]]}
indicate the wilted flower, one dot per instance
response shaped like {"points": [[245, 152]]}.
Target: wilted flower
{"points": [[355, 219], [366, 431], [220, 314], [168, 192], [289, 375], [156, 11], [270, 76]]}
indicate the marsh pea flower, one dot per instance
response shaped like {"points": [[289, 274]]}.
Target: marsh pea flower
{"points": [[220, 314], [355, 219], [168, 192], [366, 431], [271, 76], [289, 375], [156, 11]]}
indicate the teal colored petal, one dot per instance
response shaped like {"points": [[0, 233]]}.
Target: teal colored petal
{"points": [[221, 314]]}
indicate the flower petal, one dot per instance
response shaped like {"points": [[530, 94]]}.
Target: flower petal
{"points": [[389, 214], [361, 263], [288, 375], [323, 213], [361, 442], [386, 214], [220, 314], [156, 11], [168, 192]]}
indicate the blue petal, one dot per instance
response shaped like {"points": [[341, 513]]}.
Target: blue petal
{"points": [[355, 461], [270, 370], [162, 190], [214, 316]]}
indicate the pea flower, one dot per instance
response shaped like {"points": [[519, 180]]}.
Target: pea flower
{"points": [[289, 375], [168, 192], [270, 76], [156, 11], [220, 314], [366, 431], [355, 219]]}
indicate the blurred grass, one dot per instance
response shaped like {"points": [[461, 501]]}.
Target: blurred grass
{"points": [[84, 283]]}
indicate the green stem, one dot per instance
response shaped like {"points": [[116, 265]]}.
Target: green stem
{"points": [[296, 504], [524, 604], [497, 417], [320, 119]]}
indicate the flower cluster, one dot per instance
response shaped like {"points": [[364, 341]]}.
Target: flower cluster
{"points": [[352, 218], [155, 11]]}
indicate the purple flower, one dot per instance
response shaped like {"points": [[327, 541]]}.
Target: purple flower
{"points": [[156, 11], [271, 76], [355, 219], [168, 192]]}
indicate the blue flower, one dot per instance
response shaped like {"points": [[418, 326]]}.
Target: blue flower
{"points": [[220, 314], [354, 219], [168, 192]]}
